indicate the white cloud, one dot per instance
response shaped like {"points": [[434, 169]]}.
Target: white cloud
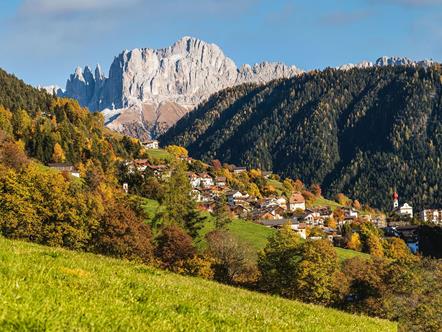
{"points": [[56, 7]]}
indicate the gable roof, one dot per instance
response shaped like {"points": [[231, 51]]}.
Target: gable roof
{"points": [[297, 198]]}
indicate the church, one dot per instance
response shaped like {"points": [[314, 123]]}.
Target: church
{"points": [[404, 210]]}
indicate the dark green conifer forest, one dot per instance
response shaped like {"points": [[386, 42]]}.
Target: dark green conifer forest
{"points": [[363, 132]]}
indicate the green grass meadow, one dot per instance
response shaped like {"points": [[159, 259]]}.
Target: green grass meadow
{"points": [[50, 289], [254, 234]]}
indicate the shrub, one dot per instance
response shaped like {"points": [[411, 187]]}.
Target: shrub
{"points": [[174, 246]]}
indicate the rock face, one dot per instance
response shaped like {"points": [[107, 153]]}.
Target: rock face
{"points": [[148, 90], [388, 61]]}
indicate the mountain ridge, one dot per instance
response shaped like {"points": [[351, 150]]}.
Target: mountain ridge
{"points": [[153, 88], [365, 132]]}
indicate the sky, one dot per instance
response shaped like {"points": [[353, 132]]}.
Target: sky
{"points": [[43, 41]]}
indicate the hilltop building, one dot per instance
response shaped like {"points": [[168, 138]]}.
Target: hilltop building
{"points": [[404, 210]]}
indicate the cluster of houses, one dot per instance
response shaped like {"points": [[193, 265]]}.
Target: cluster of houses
{"points": [[273, 211], [160, 171]]}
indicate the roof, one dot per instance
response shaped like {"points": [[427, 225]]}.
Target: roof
{"points": [[297, 198], [60, 165], [220, 179], [277, 222]]}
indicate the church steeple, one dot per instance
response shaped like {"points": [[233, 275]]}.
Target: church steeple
{"points": [[395, 200]]}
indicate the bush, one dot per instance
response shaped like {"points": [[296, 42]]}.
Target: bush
{"points": [[122, 233], [233, 259], [174, 246]]}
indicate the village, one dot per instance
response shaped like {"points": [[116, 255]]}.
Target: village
{"points": [[274, 210]]}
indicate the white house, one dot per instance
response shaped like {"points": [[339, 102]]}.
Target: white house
{"points": [[195, 180], [151, 144], [221, 181], [351, 213], [406, 210], [296, 201], [238, 170], [234, 196], [431, 215], [206, 180], [65, 167]]}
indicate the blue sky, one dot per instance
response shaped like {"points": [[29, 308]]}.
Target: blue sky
{"points": [[44, 40]]}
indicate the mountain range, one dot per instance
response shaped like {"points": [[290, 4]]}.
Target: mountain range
{"points": [[148, 90]]}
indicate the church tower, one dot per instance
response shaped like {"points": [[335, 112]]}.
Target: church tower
{"points": [[395, 200]]}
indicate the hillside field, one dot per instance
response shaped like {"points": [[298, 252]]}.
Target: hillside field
{"points": [[50, 289]]}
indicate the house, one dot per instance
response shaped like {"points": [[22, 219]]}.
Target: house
{"points": [[150, 144], [139, 164], [65, 167], [271, 213], [405, 210], [196, 195], [350, 213], [239, 170], [160, 171], [266, 174], [221, 181], [203, 180], [432, 215], [273, 202], [194, 179], [206, 180], [235, 196], [308, 217], [296, 201], [315, 217], [240, 210]]}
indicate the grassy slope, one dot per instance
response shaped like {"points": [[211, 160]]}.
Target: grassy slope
{"points": [[321, 201], [159, 154], [254, 234], [51, 289]]}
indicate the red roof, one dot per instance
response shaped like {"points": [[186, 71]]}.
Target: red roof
{"points": [[395, 196]]}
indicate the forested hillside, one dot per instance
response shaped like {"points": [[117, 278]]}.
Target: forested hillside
{"points": [[57, 130], [363, 132]]}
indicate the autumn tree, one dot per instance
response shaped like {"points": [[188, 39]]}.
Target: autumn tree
{"points": [[371, 239], [356, 204], [331, 222], [122, 233], [278, 262], [5, 120], [316, 190], [318, 277], [233, 258], [177, 151], [396, 248], [354, 243], [58, 155], [174, 246]]}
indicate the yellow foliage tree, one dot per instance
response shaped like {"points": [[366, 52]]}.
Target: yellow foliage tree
{"points": [[355, 242], [177, 151], [58, 155], [331, 222]]}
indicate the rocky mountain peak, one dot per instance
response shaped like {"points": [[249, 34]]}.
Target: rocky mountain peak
{"points": [[148, 83]]}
